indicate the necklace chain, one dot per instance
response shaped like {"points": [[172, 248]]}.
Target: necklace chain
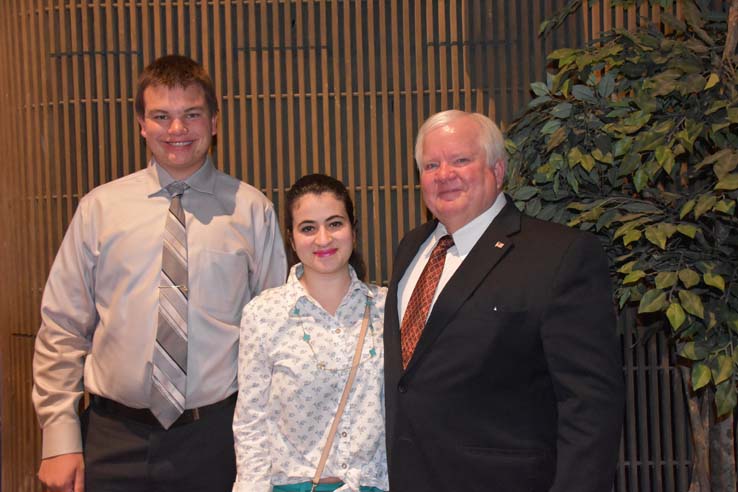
{"points": [[322, 365]]}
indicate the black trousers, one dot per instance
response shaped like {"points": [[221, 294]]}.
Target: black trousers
{"points": [[127, 456]]}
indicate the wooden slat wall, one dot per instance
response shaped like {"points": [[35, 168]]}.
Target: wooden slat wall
{"points": [[334, 86]]}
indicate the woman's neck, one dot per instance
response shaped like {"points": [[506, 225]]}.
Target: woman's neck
{"points": [[329, 289]]}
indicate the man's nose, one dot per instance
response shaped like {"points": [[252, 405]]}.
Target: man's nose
{"points": [[178, 126]]}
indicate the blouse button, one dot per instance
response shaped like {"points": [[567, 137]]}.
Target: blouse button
{"points": [[344, 434], [344, 466]]}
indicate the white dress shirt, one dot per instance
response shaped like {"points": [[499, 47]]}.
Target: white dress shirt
{"points": [[286, 402], [100, 305], [464, 240]]}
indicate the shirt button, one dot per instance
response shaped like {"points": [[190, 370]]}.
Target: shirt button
{"points": [[402, 388], [344, 434], [344, 466], [338, 330]]}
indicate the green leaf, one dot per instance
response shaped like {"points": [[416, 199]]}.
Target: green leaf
{"points": [[640, 179], [686, 208], [665, 279], [729, 182], [606, 158], [692, 303], [627, 267], [631, 236], [574, 156], [675, 315], [561, 110], [665, 158], [550, 127], [688, 230], [725, 206], [621, 146], [524, 193], [714, 280], [607, 85], [700, 375], [556, 138], [587, 162], [689, 277], [652, 301], [693, 351], [704, 204], [583, 93], [725, 398], [539, 89], [633, 277], [722, 368], [712, 80], [656, 235]]}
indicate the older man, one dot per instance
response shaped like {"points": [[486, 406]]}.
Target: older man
{"points": [[143, 303], [501, 359]]}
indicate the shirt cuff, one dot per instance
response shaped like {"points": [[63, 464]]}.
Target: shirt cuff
{"points": [[61, 438]]}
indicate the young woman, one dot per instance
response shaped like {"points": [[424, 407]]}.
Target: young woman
{"points": [[296, 349]]}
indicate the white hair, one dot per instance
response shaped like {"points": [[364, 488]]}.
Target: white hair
{"points": [[490, 136]]}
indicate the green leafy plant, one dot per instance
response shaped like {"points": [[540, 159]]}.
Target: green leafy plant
{"points": [[635, 138]]}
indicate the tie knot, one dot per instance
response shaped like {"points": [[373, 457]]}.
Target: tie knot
{"points": [[443, 244], [177, 188]]}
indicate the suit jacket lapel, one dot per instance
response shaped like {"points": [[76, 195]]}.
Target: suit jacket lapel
{"points": [[486, 253]]}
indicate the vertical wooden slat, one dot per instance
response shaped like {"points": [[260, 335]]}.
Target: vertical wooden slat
{"points": [[328, 143], [124, 62], [255, 142], [139, 60], [265, 71], [513, 40], [102, 145], [456, 46], [216, 72], [357, 167], [303, 49], [440, 45], [288, 47], [388, 37], [277, 43], [375, 33], [431, 10], [56, 142], [231, 146], [314, 53]]}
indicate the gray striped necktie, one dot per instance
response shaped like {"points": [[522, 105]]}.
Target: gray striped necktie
{"points": [[169, 371]]}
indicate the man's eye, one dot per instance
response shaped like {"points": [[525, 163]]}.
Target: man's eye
{"points": [[192, 116], [159, 117], [429, 166], [462, 160]]}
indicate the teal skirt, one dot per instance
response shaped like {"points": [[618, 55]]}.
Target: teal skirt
{"points": [[322, 487]]}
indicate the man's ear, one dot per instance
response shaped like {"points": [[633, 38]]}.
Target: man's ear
{"points": [[499, 168], [141, 124]]}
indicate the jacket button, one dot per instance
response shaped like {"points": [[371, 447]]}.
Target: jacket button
{"points": [[402, 388]]}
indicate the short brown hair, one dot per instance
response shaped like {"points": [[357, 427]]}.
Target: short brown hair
{"points": [[175, 71]]}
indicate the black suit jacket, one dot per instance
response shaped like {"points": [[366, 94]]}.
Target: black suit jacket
{"points": [[516, 382]]}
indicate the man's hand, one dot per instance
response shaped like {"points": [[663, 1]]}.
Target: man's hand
{"points": [[63, 473]]}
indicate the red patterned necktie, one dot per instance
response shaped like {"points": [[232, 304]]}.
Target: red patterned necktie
{"points": [[416, 312]]}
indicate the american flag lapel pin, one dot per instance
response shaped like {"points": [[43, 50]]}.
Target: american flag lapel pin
{"points": [[499, 245]]}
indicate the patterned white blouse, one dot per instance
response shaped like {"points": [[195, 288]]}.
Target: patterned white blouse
{"points": [[294, 358]]}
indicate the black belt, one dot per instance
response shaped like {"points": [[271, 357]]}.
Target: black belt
{"points": [[144, 415]]}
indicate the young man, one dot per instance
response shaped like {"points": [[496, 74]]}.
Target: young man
{"points": [[143, 303], [502, 367]]}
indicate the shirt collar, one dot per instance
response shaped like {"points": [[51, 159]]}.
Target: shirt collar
{"points": [[466, 237], [202, 180], [296, 291]]}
